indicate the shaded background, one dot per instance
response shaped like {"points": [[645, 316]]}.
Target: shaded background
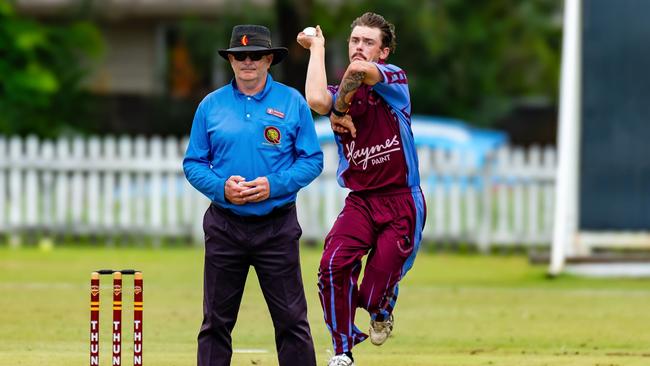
{"points": [[140, 68]]}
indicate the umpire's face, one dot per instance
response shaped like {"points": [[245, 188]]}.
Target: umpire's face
{"points": [[250, 66], [365, 45]]}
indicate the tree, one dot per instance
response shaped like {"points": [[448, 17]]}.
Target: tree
{"points": [[466, 59], [41, 68]]}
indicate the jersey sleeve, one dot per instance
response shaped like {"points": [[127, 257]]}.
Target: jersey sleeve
{"points": [[394, 88], [333, 90], [198, 157]]}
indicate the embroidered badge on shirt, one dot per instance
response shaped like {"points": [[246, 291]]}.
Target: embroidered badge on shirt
{"points": [[272, 135], [274, 112]]}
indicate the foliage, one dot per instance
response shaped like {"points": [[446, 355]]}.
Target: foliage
{"points": [[466, 59], [41, 68], [470, 60]]}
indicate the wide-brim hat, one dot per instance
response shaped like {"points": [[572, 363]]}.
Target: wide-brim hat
{"points": [[253, 38]]}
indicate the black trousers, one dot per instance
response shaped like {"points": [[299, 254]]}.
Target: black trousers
{"points": [[269, 244]]}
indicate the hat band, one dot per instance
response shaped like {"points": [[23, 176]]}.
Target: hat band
{"points": [[247, 41]]}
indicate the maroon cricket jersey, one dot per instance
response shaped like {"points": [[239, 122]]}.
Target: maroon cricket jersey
{"points": [[375, 157]]}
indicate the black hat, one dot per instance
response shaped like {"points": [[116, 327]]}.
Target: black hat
{"points": [[253, 38]]}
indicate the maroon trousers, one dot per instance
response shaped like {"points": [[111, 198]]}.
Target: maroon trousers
{"points": [[387, 226], [270, 244]]}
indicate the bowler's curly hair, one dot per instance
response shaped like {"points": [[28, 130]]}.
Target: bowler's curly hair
{"points": [[373, 20]]}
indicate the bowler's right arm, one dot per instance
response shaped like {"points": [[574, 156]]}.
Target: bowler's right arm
{"points": [[318, 97]]}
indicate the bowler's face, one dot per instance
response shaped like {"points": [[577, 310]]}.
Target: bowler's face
{"points": [[365, 45], [249, 70]]}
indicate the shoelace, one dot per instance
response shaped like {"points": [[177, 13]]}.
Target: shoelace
{"points": [[379, 326], [338, 361]]}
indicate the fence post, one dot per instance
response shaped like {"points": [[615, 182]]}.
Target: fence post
{"points": [[187, 196], [141, 160], [15, 191], [4, 164], [471, 197], [426, 170], [171, 197], [330, 194], [125, 155], [31, 183], [550, 164], [455, 162], [108, 187], [61, 184], [77, 192], [47, 189], [155, 214], [439, 196], [92, 191], [517, 182], [485, 217]]}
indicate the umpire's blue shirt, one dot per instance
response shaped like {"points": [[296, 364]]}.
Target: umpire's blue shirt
{"points": [[270, 134]]}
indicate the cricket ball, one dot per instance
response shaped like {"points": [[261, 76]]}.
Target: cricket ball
{"points": [[309, 31]]}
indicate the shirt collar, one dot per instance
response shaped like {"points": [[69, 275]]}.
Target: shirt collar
{"points": [[258, 96]]}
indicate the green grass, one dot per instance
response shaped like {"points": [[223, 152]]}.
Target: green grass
{"points": [[453, 310]]}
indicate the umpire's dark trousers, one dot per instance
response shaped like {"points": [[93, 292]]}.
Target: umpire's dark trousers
{"points": [[270, 244]]}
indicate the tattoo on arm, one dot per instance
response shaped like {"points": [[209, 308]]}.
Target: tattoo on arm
{"points": [[349, 85]]}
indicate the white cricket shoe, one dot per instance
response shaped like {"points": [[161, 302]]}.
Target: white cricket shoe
{"points": [[340, 360], [379, 331]]}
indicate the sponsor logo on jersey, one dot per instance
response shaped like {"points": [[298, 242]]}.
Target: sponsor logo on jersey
{"points": [[377, 154]]}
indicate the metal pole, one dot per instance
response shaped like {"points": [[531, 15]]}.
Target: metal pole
{"points": [[566, 200]]}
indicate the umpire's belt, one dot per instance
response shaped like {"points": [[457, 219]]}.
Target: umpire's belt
{"points": [[276, 212]]}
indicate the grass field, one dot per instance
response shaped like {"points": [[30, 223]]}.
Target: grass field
{"points": [[453, 310]]}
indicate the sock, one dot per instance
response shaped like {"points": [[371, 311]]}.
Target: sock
{"points": [[349, 354]]}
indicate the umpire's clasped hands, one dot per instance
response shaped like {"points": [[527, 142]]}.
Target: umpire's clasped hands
{"points": [[239, 192]]}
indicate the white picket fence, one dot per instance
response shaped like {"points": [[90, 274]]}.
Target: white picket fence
{"points": [[126, 187]]}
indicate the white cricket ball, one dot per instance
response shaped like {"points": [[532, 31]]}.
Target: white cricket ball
{"points": [[309, 31]]}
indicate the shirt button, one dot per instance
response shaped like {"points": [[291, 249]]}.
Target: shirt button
{"points": [[248, 115], [248, 98]]}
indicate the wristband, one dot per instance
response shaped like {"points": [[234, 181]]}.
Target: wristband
{"points": [[337, 113]]}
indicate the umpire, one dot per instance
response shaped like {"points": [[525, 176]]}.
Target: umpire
{"points": [[252, 147]]}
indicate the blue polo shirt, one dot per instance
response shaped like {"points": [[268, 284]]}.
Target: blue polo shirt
{"points": [[268, 134]]}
